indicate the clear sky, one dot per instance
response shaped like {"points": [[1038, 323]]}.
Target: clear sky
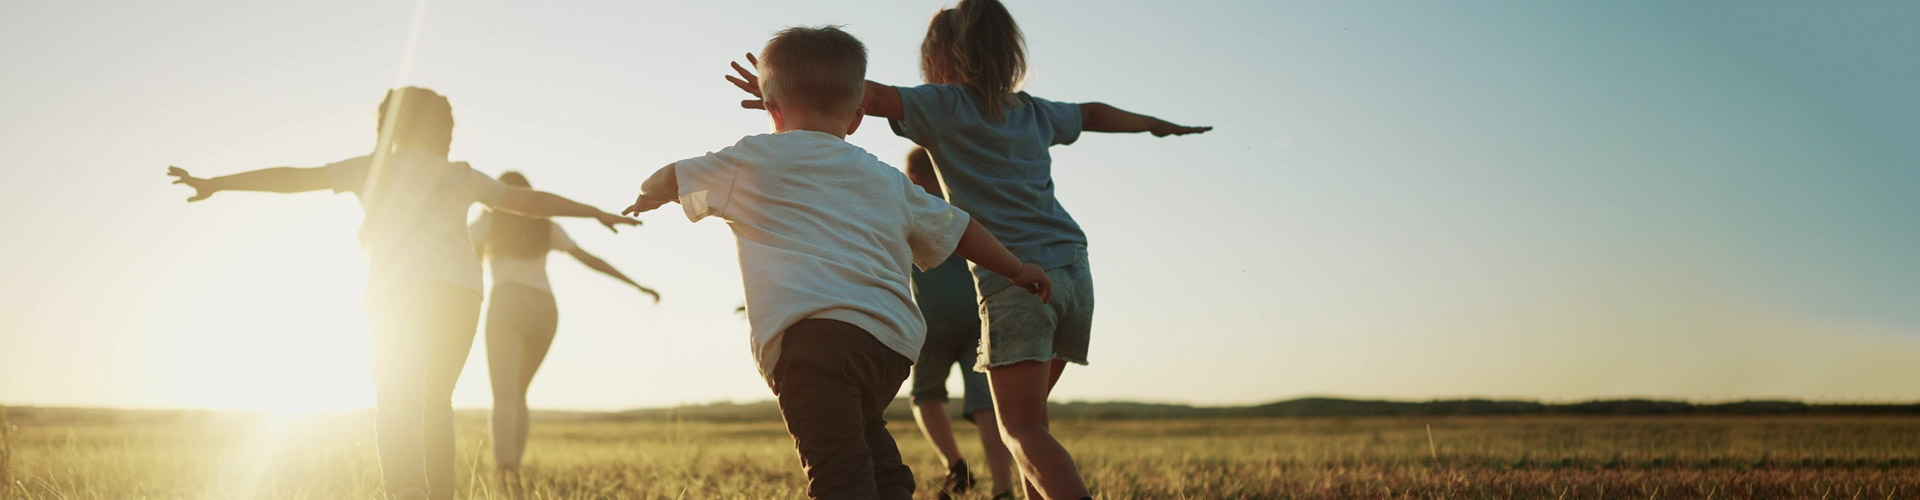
{"points": [[1700, 200]]}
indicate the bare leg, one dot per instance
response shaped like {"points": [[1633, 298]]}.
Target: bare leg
{"points": [[520, 327], [509, 397], [532, 355], [999, 460], [1020, 393], [452, 340], [932, 416], [399, 383]]}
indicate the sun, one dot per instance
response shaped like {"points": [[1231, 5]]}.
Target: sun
{"points": [[266, 317]]}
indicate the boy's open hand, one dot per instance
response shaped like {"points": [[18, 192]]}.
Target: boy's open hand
{"points": [[1034, 280], [643, 205], [749, 83], [613, 222], [202, 188], [1166, 128]]}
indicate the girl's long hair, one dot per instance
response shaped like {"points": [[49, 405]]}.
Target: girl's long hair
{"points": [[515, 235], [411, 119], [976, 45], [414, 118]]}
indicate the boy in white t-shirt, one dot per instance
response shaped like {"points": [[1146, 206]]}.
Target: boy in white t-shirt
{"points": [[827, 235]]}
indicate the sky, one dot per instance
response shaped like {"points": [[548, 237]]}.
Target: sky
{"points": [[1549, 201]]}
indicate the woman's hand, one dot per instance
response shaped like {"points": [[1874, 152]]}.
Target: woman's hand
{"points": [[749, 83], [614, 221], [202, 188], [1034, 280]]}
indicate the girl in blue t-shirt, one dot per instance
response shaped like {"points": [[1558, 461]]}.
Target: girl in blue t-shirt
{"points": [[989, 145]]}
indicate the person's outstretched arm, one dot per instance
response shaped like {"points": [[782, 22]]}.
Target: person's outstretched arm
{"points": [[600, 265], [271, 180], [980, 247], [879, 99], [1100, 117], [533, 203], [659, 189]]}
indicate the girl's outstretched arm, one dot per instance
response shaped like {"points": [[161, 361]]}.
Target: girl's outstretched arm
{"points": [[533, 203], [980, 247], [600, 265], [272, 180], [1100, 117], [879, 99]]}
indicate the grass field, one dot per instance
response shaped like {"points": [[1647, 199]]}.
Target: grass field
{"points": [[116, 455]]}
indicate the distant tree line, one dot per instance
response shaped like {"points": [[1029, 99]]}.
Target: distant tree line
{"points": [[1295, 408]]}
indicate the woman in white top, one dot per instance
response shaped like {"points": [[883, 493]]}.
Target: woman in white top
{"points": [[423, 289], [521, 316]]}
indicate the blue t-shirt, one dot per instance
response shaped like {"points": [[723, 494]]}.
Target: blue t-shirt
{"points": [[945, 294], [999, 171]]}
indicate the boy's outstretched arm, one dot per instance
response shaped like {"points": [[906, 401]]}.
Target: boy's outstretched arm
{"points": [[533, 203], [1100, 117], [659, 189], [982, 248], [272, 180], [878, 99]]}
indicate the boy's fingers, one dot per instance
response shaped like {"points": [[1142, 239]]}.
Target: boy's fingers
{"points": [[752, 60], [744, 87], [753, 104], [744, 74]]}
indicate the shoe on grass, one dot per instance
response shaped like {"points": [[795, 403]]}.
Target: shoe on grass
{"points": [[959, 479]]}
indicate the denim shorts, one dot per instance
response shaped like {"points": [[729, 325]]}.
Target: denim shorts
{"points": [[1020, 328], [948, 344]]}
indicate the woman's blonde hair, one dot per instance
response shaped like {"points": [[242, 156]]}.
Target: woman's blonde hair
{"points": [[976, 45]]}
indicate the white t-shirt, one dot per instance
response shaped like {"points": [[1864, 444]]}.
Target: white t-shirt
{"points": [[824, 230], [529, 271], [415, 227]]}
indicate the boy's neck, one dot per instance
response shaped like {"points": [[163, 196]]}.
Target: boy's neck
{"points": [[834, 125]]}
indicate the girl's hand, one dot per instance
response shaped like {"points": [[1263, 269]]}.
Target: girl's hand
{"points": [[1165, 128], [202, 188], [749, 83], [613, 222], [650, 291], [1034, 280]]}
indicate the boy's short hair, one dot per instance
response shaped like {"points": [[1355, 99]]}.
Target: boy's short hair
{"points": [[822, 68]]}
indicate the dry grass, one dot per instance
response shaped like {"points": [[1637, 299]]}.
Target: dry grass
{"points": [[234, 456]]}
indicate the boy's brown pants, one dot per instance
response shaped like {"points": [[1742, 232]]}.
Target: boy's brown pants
{"points": [[833, 380]]}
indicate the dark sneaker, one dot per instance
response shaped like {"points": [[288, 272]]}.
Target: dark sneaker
{"points": [[959, 480]]}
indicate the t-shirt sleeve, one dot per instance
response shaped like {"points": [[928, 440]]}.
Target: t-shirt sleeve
{"points": [[707, 183], [1063, 118], [928, 111], [933, 226], [349, 175], [558, 239], [485, 189]]}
